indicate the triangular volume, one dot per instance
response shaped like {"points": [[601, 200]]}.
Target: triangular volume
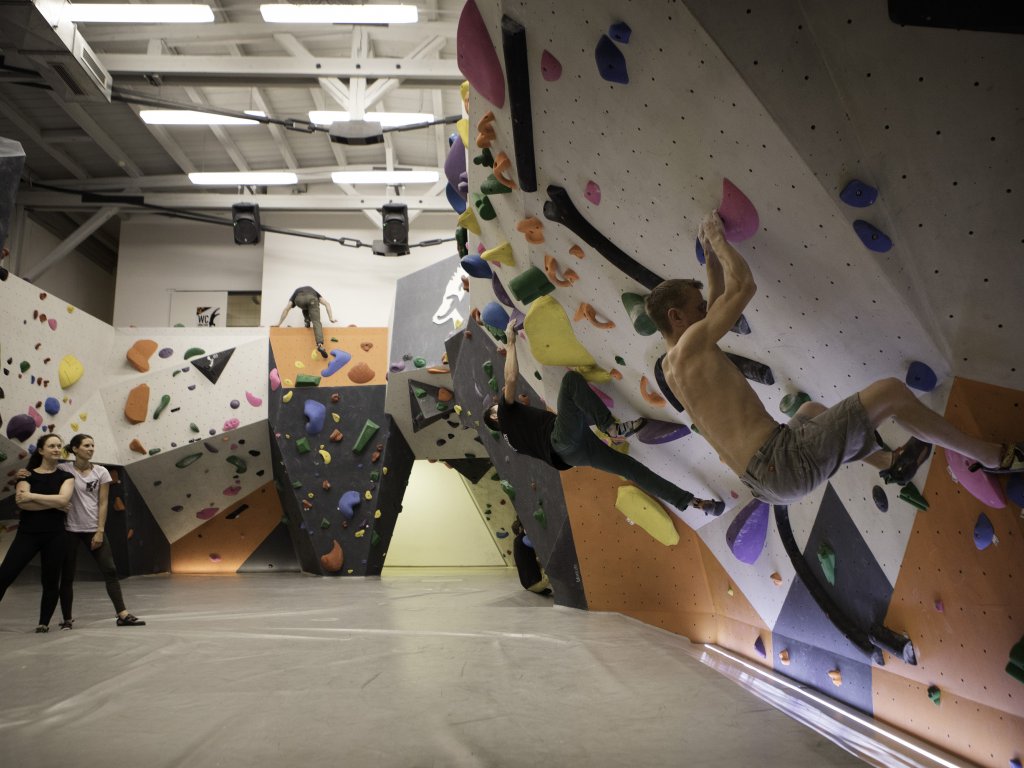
{"points": [[275, 553], [426, 405], [212, 366]]}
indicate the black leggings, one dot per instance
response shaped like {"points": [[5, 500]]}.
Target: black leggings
{"points": [[50, 547], [104, 558]]}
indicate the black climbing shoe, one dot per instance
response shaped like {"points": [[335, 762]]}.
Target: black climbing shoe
{"points": [[906, 460], [129, 621], [321, 350], [67, 624]]}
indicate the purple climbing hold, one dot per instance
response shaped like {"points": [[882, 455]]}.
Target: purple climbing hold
{"points": [[52, 406], [315, 413], [478, 60], [518, 317], [858, 194], [984, 533], [748, 531], [759, 647], [739, 216], [611, 64], [165, 352], [398, 365], [455, 162], [348, 502], [656, 432], [1015, 489], [699, 249], [475, 266], [620, 32], [550, 67], [234, 404], [499, 291], [920, 376], [21, 427], [494, 316], [873, 238], [603, 397], [341, 358]]}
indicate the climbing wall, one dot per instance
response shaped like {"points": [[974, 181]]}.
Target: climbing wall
{"points": [[340, 461], [609, 133]]}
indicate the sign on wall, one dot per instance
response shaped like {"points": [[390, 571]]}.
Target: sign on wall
{"points": [[199, 309]]}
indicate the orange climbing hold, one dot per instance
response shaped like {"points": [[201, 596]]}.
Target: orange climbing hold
{"points": [[485, 130], [588, 311], [784, 657], [136, 406], [532, 229], [333, 560], [551, 270], [836, 677], [137, 446], [576, 251], [776, 579], [650, 397], [139, 354], [502, 165]]}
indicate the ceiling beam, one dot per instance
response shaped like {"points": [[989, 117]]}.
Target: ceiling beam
{"points": [[69, 244], [276, 131], [426, 50], [102, 139], [275, 69], [33, 133], [244, 32], [333, 87], [35, 199]]}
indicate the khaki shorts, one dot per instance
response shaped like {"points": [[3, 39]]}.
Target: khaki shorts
{"points": [[801, 455]]}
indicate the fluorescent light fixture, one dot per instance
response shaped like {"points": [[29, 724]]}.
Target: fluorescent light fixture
{"points": [[244, 178], [285, 13], [386, 119], [191, 117], [385, 177], [155, 13]]}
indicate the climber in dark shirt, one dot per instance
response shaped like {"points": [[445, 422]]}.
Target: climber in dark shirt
{"points": [[565, 440]]}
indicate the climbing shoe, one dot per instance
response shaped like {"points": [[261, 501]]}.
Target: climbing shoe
{"points": [[1012, 461], [624, 429], [906, 460], [67, 624], [321, 350], [710, 507], [42, 628], [129, 621]]}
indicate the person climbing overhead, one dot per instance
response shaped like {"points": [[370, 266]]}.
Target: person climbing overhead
{"points": [[565, 440], [308, 299], [781, 463]]}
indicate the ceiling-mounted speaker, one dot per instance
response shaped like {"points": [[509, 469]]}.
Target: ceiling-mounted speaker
{"points": [[396, 227], [245, 220]]}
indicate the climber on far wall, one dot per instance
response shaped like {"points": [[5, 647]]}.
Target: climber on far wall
{"points": [[308, 299], [565, 440], [781, 463]]}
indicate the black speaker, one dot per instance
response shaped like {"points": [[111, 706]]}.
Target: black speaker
{"points": [[396, 226], [245, 220]]}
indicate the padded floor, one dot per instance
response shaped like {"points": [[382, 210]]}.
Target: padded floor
{"points": [[420, 667]]}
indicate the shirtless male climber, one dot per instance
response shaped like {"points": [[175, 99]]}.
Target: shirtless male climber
{"points": [[565, 440], [780, 463]]}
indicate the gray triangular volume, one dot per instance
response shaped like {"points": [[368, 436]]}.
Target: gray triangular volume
{"points": [[423, 403], [212, 366]]}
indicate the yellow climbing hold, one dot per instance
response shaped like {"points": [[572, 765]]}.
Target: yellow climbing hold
{"points": [[74, 426], [376, 515], [325, 456], [593, 373], [360, 532], [500, 253], [70, 309], [300, 364], [458, 409], [368, 495], [384, 471], [287, 397], [647, 513], [288, 383], [468, 220], [83, 416], [552, 341], [69, 371], [336, 417], [463, 128]]}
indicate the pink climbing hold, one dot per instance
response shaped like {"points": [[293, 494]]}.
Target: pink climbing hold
{"points": [[36, 416], [52, 322], [207, 512], [254, 401], [593, 192], [231, 424], [605, 398], [275, 380], [980, 485], [738, 214], [478, 61], [550, 67], [232, 490]]}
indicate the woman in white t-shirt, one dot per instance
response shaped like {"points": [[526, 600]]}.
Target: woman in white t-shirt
{"points": [[86, 522]]}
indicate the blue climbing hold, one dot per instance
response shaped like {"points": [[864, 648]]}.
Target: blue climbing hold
{"points": [[495, 316], [475, 266], [348, 502], [527, 542], [873, 238], [315, 413], [1015, 489], [341, 357], [611, 64], [858, 194], [656, 432], [881, 500], [52, 406], [501, 534], [984, 533], [920, 376], [620, 32], [759, 647], [700, 252], [454, 199]]}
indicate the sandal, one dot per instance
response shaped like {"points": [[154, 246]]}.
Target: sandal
{"points": [[1011, 462], [66, 624], [129, 621], [906, 460]]}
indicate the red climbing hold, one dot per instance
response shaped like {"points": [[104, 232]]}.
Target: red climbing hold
{"points": [[478, 61], [739, 217]]}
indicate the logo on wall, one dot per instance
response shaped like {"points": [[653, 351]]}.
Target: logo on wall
{"points": [[207, 316]]}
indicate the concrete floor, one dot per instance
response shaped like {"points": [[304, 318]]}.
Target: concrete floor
{"points": [[421, 667]]}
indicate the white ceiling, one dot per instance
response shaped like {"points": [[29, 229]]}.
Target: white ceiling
{"points": [[237, 63]]}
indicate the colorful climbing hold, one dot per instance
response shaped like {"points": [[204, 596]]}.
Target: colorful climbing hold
{"points": [[858, 194], [275, 380], [52, 406], [592, 192], [21, 427], [254, 401], [827, 560], [302, 445], [316, 414], [529, 285], [550, 67], [620, 32], [238, 463], [139, 353], [193, 351], [325, 456], [477, 57], [881, 500], [872, 237], [791, 403], [921, 377], [759, 648], [69, 370], [611, 64], [307, 380], [836, 677], [739, 216], [984, 533], [935, 694], [365, 435], [165, 400], [647, 513], [136, 405], [642, 323], [912, 496], [748, 531]]}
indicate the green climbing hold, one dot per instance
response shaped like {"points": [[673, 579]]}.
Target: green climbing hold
{"points": [[419, 362], [791, 403], [238, 462], [296, 483], [365, 436], [442, 406], [827, 560], [539, 516], [506, 486], [374, 539], [935, 694], [913, 497], [154, 451], [193, 351], [461, 240], [3, 457], [24, 366], [192, 458], [193, 427], [484, 158], [325, 523], [493, 384], [1015, 666], [530, 285], [483, 206], [492, 186], [419, 392], [375, 476], [307, 380], [495, 434], [642, 323], [620, 360], [536, 375], [488, 367], [302, 445], [165, 400]]}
